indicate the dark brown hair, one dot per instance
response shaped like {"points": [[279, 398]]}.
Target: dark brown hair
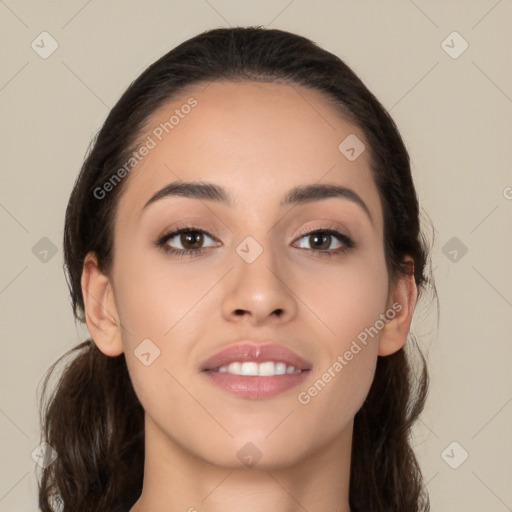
{"points": [[93, 418]]}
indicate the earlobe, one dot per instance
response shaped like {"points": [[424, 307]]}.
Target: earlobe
{"points": [[401, 308], [100, 309]]}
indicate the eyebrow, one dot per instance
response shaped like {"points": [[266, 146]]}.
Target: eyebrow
{"points": [[301, 194]]}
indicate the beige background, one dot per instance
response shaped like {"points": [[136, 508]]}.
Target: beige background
{"points": [[456, 118]]}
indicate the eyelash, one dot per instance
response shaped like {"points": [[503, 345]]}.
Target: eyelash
{"points": [[347, 242]]}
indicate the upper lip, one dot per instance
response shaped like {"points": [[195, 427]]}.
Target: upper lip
{"points": [[258, 352]]}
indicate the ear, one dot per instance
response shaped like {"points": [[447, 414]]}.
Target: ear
{"points": [[402, 300], [100, 308]]}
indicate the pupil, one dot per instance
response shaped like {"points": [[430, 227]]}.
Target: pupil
{"points": [[319, 237], [191, 238]]}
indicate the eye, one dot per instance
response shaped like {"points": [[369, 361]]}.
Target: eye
{"points": [[320, 241], [189, 239]]}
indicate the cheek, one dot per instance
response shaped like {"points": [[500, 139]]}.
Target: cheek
{"points": [[160, 302], [349, 301], [345, 374], [347, 298], [153, 295]]}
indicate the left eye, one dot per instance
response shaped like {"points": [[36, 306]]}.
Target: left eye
{"points": [[320, 240], [193, 240]]}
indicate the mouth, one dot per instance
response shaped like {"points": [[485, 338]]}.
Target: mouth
{"points": [[248, 370]]}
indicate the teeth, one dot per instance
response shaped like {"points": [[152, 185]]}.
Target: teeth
{"points": [[267, 368]]}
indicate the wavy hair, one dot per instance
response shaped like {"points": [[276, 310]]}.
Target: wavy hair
{"points": [[93, 418]]}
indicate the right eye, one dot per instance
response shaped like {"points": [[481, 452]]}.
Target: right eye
{"points": [[189, 237]]}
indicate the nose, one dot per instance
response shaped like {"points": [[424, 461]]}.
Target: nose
{"points": [[259, 293]]}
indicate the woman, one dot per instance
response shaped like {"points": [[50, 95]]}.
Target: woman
{"points": [[244, 244]]}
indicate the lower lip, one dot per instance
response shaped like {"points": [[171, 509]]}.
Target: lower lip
{"points": [[253, 386]]}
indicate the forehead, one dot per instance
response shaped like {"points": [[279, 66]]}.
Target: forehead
{"points": [[256, 139]]}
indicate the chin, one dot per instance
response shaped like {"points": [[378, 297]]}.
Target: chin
{"points": [[254, 453]]}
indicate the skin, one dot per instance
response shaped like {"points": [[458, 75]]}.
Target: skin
{"points": [[258, 141]]}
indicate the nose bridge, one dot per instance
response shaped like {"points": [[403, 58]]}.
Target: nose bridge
{"points": [[257, 263], [258, 287]]}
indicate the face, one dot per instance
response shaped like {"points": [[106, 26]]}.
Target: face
{"points": [[259, 276]]}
